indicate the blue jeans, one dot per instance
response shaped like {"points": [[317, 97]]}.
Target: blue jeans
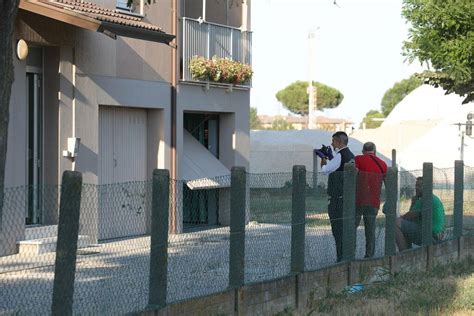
{"points": [[411, 231]]}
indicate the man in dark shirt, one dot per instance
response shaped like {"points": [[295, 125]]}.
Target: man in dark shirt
{"points": [[372, 171], [335, 168]]}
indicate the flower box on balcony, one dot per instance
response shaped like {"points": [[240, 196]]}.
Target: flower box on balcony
{"points": [[222, 70]]}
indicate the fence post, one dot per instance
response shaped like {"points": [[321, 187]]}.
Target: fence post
{"points": [[394, 157], [458, 197], [427, 205], [348, 217], [159, 238], [298, 210], [66, 248], [390, 210], [315, 173], [237, 227]]}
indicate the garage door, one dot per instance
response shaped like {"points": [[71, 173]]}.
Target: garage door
{"points": [[122, 172]]}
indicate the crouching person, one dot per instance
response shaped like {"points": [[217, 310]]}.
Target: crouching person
{"points": [[408, 228]]}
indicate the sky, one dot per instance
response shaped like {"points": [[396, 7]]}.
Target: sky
{"points": [[358, 51]]}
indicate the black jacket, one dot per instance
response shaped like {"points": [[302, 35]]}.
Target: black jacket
{"points": [[336, 178]]}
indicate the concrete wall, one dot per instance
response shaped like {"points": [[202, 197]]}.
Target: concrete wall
{"points": [[298, 293]]}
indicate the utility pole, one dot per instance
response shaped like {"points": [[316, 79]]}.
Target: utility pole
{"points": [[312, 90]]}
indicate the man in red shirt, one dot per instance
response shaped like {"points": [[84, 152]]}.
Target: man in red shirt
{"points": [[372, 172]]}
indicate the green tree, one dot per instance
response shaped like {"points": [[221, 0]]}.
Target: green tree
{"points": [[255, 122], [280, 124], [295, 97], [368, 119], [442, 36], [399, 91]]}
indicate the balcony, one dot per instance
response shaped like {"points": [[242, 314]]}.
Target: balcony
{"points": [[210, 39]]}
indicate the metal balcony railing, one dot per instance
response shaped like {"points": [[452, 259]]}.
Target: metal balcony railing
{"points": [[210, 39]]}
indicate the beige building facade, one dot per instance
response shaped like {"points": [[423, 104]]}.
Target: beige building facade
{"points": [[117, 81]]}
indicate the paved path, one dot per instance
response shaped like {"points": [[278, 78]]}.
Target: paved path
{"points": [[112, 278]]}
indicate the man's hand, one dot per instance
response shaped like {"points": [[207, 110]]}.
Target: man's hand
{"points": [[411, 216], [324, 161]]}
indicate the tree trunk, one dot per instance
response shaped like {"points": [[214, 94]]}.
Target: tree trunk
{"points": [[8, 11]]}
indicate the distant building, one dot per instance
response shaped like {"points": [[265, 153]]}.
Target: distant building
{"points": [[301, 122]]}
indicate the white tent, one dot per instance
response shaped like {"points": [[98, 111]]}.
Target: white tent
{"points": [[422, 129], [279, 151]]}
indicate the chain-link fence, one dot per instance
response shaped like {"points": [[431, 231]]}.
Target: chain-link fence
{"points": [[268, 234], [112, 267]]}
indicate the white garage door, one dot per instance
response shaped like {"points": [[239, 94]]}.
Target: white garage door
{"points": [[122, 172]]}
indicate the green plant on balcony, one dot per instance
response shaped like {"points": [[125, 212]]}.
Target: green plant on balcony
{"points": [[222, 70]]}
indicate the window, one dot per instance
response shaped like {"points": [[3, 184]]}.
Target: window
{"points": [[136, 7]]}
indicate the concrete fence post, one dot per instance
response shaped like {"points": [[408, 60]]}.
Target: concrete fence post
{"points": [[348, 220], [394, 158], [315, 172], [298, 211], [427, 205], [66, 248], [237, 227], [390, 210], [159, 238], [458, 197]]}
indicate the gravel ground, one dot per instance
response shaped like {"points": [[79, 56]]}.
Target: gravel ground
{"points": [[112, 278]]}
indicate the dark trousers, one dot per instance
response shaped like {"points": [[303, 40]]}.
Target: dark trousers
{"points": [[335, 216], [370, 214]]}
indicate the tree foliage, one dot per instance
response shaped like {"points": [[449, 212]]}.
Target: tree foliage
{"points": [[255, 122], [442, 35], [295, 97], [368, 119], [399, 91], [280, 124]]}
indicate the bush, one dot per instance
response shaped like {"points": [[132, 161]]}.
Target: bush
{"points": [[223, 70]]}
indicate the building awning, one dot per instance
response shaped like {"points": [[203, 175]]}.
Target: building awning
{"points": [[92, 17], [201, 170]]}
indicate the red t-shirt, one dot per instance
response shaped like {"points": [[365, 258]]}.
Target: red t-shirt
{"points": [[369, 179]]}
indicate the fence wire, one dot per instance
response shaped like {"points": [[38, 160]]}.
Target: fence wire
{"points": [[268, 234], [198, 259], [113, 256], [468, 203], [26, 279]]}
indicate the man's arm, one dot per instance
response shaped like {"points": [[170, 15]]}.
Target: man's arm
{"points": [[331, 165], [411, 216]]}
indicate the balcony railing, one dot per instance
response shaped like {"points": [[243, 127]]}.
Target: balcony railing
{"points": [[210, 39]]}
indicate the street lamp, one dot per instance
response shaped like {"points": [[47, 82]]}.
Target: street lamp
{"points": [[466, 132], [469, 124]]}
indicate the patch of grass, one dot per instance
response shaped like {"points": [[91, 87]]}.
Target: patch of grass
{"points": [[445, 290], [288, 311], [276, 208]]}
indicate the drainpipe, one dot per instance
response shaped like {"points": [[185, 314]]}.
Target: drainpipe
{"points": [[174, 73]]}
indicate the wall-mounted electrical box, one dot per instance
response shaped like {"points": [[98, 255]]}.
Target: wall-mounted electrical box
{"points": [[72, 147]]}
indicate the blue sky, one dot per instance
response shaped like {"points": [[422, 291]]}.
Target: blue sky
{"points": [[358, 50]]}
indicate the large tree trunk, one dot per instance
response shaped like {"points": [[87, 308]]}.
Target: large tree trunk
{"points": [[8, 11]]}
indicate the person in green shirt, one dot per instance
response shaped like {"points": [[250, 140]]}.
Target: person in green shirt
{"points": [[408, 229]]}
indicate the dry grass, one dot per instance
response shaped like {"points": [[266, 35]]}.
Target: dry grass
{"points": [[447, 290]]}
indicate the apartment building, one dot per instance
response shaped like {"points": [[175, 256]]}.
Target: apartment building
{"points": [[114, 81]]}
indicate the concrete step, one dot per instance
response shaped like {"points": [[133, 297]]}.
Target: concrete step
{"points": [[48, 244], [40, 231]]}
